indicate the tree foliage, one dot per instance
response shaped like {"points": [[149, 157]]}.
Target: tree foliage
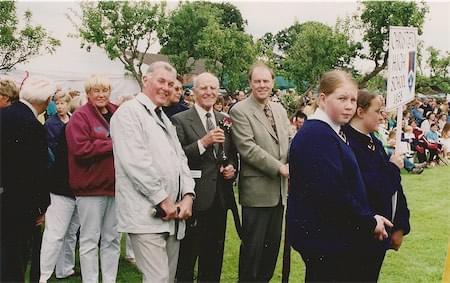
{"points": [[19, 44], [374, 19], [438, 80], [124, 29], [265, 51], [315, 49], [187, 25], [229, 53]]}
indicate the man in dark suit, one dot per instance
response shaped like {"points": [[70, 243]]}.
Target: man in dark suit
{"points": [[200, 137], [261, 134], [25, 197]]}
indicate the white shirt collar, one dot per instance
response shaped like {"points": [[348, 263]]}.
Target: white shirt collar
{"points": [[30, 106], [322, 116], [202, 114]]}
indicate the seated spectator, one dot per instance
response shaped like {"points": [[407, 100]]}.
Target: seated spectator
{"points": [[442, 121], [426, 124], [407, 164], [445, 140]]}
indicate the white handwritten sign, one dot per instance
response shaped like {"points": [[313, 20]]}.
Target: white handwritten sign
{"points": [[401, 66]]}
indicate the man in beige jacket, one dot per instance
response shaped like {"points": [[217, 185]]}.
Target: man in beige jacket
{"points": [[261, 133]]}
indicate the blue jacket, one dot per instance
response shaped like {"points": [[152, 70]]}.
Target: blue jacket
{"points": [[381, 178], [328, 211]]}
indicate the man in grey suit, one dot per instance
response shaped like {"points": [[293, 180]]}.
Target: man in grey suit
{"points": [[200, 137], [261, 133]]}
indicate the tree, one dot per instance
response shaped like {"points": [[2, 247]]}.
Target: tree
{"points": [[186, 26], [265, 51], [19, 45], [374, 19], [124, 29], [438, 80], [229, 53], [316, 49]]}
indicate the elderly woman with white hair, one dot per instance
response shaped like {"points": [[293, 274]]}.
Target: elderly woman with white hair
{"points": [[23, 174]]}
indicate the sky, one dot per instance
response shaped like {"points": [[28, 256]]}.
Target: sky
{"points": [[261, 16]]}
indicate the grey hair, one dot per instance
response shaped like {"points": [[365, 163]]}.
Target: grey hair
{"points": [[196, 79], [37, 89], [161, 65]]}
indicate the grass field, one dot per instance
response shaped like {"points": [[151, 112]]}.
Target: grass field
{"points": [[420, 259]]}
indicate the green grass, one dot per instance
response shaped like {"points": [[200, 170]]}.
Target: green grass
{"points": [[420, 259]]}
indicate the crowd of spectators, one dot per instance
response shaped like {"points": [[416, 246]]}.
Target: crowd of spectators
{"points": [[78, 139]]}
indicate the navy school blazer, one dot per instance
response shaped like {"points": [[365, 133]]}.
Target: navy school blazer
{"points": [[328, 210]]}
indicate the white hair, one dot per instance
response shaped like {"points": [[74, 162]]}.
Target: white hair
{"points": [[161, 65], [197, 79], [37, 89]]}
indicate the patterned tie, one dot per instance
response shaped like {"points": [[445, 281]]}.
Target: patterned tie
{"points": [[209, 127], [343, 136], [371, 145], [269, 116]]}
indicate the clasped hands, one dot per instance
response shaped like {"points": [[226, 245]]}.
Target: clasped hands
{"points": [[380, 232], [180, 210]]}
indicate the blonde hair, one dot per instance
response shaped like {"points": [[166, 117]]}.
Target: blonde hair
{"points": [[331, 80], [96, 81], [77, 102], [9, 89], [62, 96]]}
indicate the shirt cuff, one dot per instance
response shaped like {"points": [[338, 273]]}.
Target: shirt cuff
{"points": [[201, 148]]}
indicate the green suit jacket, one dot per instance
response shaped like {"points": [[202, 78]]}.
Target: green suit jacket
{"points": [[262, 152]]}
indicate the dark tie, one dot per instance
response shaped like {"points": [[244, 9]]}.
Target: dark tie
{"points": [[269, 116], [371, 145], [209, 127], [158, 112], [343, 136]]}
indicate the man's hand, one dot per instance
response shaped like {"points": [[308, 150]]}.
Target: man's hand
{"points": [[228, 172], [214, 136], [169, 208], [284, 170], [397, 159], [396, 240], [380, 230], [40, 220], [185, 207]]}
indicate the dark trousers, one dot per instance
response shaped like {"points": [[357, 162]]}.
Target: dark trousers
{"points": [[204, 240], [261, 236], [33, 256], [16, 234], [361, 266]]}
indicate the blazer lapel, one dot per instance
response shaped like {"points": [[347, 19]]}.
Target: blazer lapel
{"points": [[261, 117], [196, 123]]}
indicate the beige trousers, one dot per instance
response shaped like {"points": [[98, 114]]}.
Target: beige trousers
{"points": [[156, 256]]}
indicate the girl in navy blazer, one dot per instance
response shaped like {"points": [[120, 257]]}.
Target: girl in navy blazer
{"points": [[381, 176], [329, 217]]}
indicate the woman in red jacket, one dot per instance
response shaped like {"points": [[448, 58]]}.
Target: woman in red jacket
{"points": [[91, 177]]}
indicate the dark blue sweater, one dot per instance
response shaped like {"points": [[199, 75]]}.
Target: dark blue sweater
{"points": [[328, 211], [381, 178]]}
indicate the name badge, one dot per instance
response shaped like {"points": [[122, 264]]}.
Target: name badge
{"points": [[196, 174]]}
